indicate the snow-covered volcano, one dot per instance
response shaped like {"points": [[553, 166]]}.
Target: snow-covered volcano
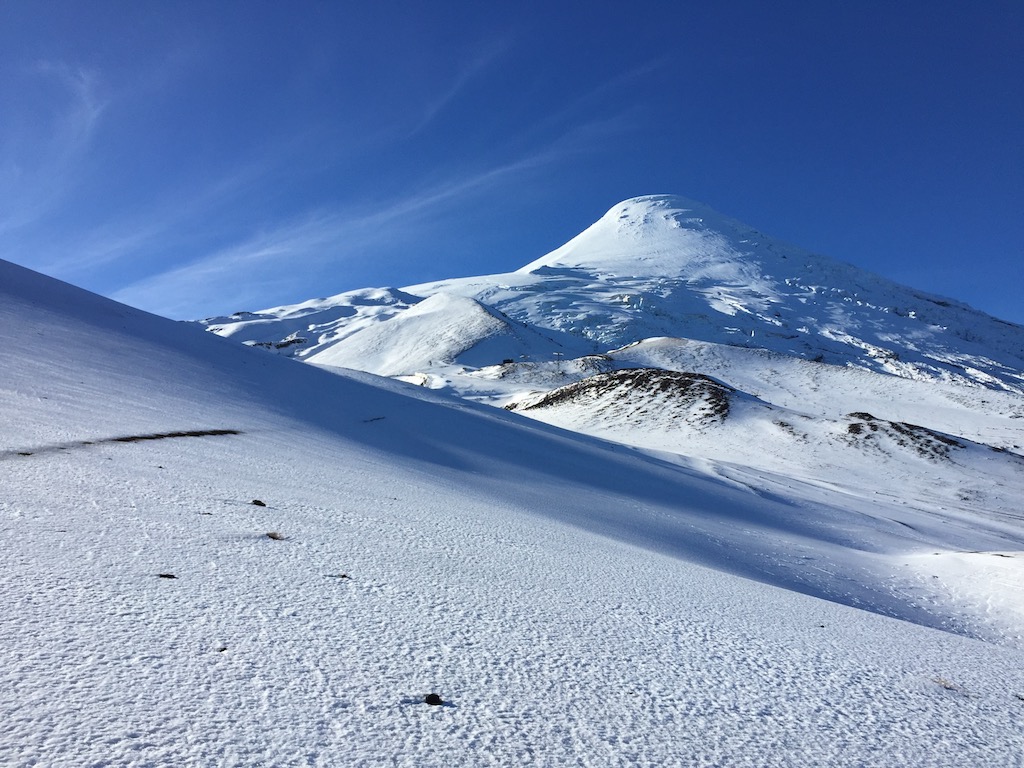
{"points": [[663, 266]]}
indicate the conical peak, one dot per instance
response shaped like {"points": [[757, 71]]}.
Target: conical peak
{"points": [[657, 235], [665, 204], [653, 212]]}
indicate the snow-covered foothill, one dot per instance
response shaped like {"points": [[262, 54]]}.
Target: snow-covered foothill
{"points": [[443, 329]]}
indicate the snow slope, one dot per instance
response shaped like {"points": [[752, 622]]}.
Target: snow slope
{"points": [[553, 588], [459, 329], [975, 413]]}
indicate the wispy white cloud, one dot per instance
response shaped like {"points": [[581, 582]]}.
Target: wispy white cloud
{"points": [[594, 101], [320, 239], [315, 240], [41, 157], [471, 70], [55, 113], [86, 105], [180, 210]]}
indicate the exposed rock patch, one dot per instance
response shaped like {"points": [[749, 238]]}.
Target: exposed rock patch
{"points": [[693, 396], [871, 431]]}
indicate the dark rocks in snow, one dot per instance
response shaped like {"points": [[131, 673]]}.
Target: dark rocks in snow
{"points": [[691, 390], [167, 576], [165, 436], [283, 344], [433, 699], [925, 442], [126, 439]]}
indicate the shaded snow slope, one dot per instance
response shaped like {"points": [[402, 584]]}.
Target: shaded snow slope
{"points": [[547, 585]]}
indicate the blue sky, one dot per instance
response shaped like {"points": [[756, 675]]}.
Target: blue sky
{"points": [[198, 158]]}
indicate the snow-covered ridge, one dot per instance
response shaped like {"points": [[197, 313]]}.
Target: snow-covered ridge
{"points": [[440, 330]]}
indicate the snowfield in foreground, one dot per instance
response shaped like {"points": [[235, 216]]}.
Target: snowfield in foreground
{"points": [[553, 589]]}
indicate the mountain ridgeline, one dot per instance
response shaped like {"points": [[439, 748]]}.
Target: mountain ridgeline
{"points": [[656, 266]]}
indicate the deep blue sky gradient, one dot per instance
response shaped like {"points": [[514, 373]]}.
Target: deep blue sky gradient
{"points": [[198, 158]]}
